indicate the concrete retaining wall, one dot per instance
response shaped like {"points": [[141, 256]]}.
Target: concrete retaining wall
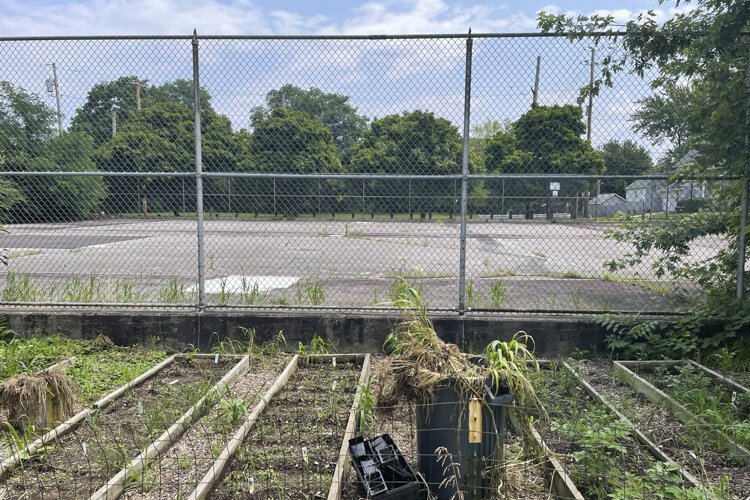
{"points": [[180, 329]]}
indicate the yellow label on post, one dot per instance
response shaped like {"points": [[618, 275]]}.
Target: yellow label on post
{"points": [[475, 420]]}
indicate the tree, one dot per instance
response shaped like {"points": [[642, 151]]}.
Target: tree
{"points": [[291, 141], [29, 142], [161, 138], [25, 123], [544, 140], [624, 158], [412, 143], [60, 199], [95, 116], [704, 50], [180, 92], [664, 116], [332, 110]]}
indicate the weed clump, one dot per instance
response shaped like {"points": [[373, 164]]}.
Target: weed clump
{"points": [[39, 399], [420, 361]]}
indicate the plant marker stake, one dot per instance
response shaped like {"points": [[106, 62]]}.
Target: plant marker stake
{"points": [[139, 409], [304, 455], [216, 359], [174, 381], [333, 360], [734, 396], [85, 449], [333, 386], [250, 485], [475, 447]]}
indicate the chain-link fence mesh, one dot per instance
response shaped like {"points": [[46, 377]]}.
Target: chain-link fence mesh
{"points": [[331, 166]]}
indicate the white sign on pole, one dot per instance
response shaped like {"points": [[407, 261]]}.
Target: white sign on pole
{"points": [[554, 186], [554, 194]]}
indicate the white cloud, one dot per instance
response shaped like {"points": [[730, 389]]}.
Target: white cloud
{"points": [[108, 17], [164, 17]]}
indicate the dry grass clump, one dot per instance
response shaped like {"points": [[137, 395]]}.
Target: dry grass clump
{"points": [[420, 361], [39, 399]]}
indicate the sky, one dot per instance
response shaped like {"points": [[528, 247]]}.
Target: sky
{"points": [[381, 77], [290, 17]]}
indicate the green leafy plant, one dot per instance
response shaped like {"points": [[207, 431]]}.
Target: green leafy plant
{"points": [[249, 292], [315, 293], [173, 292], [233, 410], [473, 297], [421, 360], [498, 292], [319, 345], [367, 402]]}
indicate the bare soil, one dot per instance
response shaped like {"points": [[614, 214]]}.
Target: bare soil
{"points": [[571, 406], [292, 450], [82, 461], [177, 472], [683, 444]]}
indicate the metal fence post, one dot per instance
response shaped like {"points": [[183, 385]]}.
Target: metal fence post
{"points": [[465, 180], [742, 241], [742, 237], [198, 175]]}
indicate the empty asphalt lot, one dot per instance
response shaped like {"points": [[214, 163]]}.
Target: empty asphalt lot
{"points": [[538, 263]]}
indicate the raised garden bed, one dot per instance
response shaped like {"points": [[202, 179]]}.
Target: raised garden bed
{"points": [[178, 472], [597, 447], [97, 368], [79, 458], [697, 399], [294, 448], [684, 444]]}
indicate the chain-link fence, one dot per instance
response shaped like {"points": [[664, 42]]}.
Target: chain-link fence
{"points": [[324, 168]]}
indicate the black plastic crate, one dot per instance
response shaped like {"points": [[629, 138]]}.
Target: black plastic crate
{"points": [[383, 471]]}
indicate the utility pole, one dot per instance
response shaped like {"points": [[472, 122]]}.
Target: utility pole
{"points": [[114, 109], [57, 98], [591, 96], [138, 85], [536, 80]]}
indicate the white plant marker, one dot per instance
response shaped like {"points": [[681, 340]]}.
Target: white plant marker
{"points": [[216, 359], [333, 385], [734, 396], [174, 381], [333, 361], [305, 457], [139, 409], [250, 485], [85, 447]]}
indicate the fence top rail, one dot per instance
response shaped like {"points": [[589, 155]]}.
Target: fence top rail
{"points": [[392, 177], [532, 34]]}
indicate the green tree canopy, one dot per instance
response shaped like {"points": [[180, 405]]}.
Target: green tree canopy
{"points": [[291, 141], [25, 123], [160, 138], [95, 116], [702, 56], [412, 143], [624, 158], [544, 140], [52, 199], [664, 116], [287, 140], [28, 142], [334, 111]]}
